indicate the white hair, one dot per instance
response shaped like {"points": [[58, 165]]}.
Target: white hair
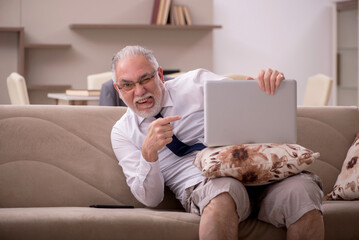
{"points": [[132, 51]]}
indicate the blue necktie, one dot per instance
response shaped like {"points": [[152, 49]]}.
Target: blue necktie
{"points": [[179, 148]]}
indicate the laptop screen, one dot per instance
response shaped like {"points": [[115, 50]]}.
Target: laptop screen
{"points": [[239, 112]]}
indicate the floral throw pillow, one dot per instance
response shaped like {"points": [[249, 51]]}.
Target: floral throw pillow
{"points": [[347, 184], [255, 164]]}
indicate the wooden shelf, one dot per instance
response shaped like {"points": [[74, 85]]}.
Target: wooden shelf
{"points": [[48, 87], [143, 26], [22, 46], [11, 29], [47, 46]]}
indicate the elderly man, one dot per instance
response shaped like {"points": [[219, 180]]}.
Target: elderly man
{"points": [[160, 112]]}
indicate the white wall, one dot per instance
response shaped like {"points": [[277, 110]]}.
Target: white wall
{"points": [[293, 36], [48, 21]]}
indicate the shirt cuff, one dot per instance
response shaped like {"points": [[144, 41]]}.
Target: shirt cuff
{"points": [[145, 168]]}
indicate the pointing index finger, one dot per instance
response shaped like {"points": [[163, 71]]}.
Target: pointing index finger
{"points": [[170, 119]]}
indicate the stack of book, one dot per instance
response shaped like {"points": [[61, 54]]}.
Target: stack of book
{"points": [[82, 92], [164, 12]]}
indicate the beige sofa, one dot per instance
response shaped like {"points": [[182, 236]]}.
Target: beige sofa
{"points": [[55, 161]]}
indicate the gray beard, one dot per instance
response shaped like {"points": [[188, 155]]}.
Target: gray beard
{"points": [[152, 111]]}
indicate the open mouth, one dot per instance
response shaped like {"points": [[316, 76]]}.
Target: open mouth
{"points": [[145, 102]]}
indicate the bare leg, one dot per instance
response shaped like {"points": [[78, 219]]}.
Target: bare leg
{"points": [[219, 219], [309, 226]]}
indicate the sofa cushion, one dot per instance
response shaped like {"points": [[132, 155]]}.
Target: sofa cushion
{"points": [[255, 164], [340, 218], [94, 223], [139, 223], [60, 156], [90, 223], [347, 184], [330, 131]]}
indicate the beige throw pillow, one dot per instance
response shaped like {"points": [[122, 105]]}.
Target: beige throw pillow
{"points": [[255, 164], [347, 184]]}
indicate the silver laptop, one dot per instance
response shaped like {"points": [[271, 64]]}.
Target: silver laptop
{"points": [[239, 112]]}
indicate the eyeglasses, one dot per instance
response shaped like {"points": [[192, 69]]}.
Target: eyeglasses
{"points": [[129, 85]]}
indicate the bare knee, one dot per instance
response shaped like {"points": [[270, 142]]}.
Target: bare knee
{"points": [[221, 203], [312, 221], [219, 219], [223, 197], [309, 217]]}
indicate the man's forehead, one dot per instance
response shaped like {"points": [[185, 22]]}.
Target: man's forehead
{"points": [[133, 68], [134, 61]]}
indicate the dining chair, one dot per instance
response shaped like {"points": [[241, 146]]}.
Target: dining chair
{"points": [[17, 89], [95, 81], [317, 90], [236, 76]]}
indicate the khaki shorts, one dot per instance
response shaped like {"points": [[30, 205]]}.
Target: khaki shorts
{"points": [[280, 204]]}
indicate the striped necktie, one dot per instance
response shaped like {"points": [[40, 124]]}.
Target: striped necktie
{"points": [[179, 148]]}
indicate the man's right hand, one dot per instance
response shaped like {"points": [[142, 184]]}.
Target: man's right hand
{"points": [[269, 80], [159, 134]]}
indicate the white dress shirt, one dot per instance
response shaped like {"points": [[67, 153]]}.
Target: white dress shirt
{"points": [[184, 96]]}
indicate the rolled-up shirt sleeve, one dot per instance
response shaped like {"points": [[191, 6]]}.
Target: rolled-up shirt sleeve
{"points": [[144, 178]]}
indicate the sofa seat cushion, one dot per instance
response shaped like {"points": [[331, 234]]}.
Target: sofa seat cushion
{"points": [[339, 217], [95, 223], [142, 223], [91, 223]]}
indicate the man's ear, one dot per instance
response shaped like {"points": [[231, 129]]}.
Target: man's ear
{"points": [[117, 90], [160, 74]]}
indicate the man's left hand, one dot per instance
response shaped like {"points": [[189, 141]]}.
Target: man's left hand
{"points": [[269, 80]]}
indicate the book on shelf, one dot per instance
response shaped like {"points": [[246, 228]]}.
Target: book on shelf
{"points": [[156, 6], [187, 16], [160, 12], [176, 12], [82, 92], [180, 15], [173, 16], [164, 12]]}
